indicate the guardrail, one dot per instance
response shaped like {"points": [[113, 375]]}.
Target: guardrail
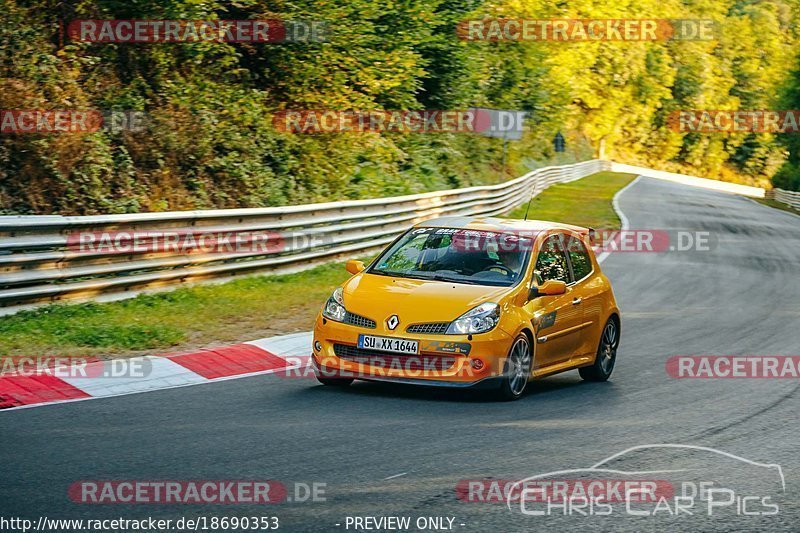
{"points": [[785, 197], [41, 259]]}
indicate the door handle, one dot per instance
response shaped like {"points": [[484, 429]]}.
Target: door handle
{"points": [[576, 301]]}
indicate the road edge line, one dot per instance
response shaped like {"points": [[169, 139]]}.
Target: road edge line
{"points": [[623, 219]]}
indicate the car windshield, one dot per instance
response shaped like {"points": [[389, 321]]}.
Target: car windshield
{"points": [[456, 255]]}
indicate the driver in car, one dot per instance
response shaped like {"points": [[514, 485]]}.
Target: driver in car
{"points": [[507, 264], [511, 260]]}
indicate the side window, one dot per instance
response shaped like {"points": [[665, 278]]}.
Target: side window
{"points": [[579, 257], [551, 262]]}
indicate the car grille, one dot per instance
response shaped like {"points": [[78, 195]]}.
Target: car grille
{"points": [[358, 320], [434, 328], [390, 360]]}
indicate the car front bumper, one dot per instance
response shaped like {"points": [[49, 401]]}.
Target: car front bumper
{"points": [[476, 362]]}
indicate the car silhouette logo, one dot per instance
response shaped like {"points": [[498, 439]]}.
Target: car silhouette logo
{"points": [[606, 467], [392, 322]]}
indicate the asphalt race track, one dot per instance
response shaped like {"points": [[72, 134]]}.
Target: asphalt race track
{"points": [[742, 297]]}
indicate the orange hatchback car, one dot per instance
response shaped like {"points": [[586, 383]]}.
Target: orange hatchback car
{"points": [[472, 302]]}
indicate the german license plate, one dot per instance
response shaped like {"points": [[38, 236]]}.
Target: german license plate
{"points": [[388, 344]]}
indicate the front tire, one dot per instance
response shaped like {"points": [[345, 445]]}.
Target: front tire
{"points": [[517, 370], [330, 378], [335, 382], [606, 354]]}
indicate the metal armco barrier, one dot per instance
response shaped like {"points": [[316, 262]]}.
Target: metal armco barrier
{"points": [[786, 197], [38, 264]]}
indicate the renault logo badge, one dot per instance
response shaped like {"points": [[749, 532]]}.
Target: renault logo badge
{"points": [[392, 322]]}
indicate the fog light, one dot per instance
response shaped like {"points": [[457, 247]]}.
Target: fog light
{"points": [[317, 346], [477, 364]]}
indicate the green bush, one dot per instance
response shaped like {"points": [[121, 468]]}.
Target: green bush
{"points": [[787, 177], [210, 142]]}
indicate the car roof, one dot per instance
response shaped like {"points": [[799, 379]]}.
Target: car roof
{"points": [[499, 224]]}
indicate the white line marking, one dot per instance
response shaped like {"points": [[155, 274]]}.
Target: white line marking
{"points": [[625, 223], [396, 475]]}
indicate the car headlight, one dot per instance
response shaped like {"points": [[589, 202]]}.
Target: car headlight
{"points": [[334, 307], [478, 320]]}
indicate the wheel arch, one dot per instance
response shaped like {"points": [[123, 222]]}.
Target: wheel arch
{"points": [[528, 332], [615, 316]]}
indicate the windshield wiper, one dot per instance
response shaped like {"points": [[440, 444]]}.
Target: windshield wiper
{"points": [[440, 277], [426, 276], [387, 273]]}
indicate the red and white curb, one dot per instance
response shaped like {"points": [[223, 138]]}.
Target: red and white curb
{"points": [[263, 356]]}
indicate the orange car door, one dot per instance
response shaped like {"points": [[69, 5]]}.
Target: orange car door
{"points": [[588, 288], [556, 319]]}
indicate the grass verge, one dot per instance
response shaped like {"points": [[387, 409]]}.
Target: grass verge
{"points": [[586, 202], [248, 308], [777, 205]]}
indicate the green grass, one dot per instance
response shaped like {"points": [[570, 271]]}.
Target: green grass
{"points": [[185, 318], [778, 205], [586, 202], [247, 308]]}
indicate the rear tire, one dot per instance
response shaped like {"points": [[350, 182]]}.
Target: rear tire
{"points": [[517, 370], [606, 354]]}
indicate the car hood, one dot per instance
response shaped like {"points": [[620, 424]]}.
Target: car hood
{"points": [[413, 300]]}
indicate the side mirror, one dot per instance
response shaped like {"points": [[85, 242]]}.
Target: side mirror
{"points": [[354, 267], [550, 287]]}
